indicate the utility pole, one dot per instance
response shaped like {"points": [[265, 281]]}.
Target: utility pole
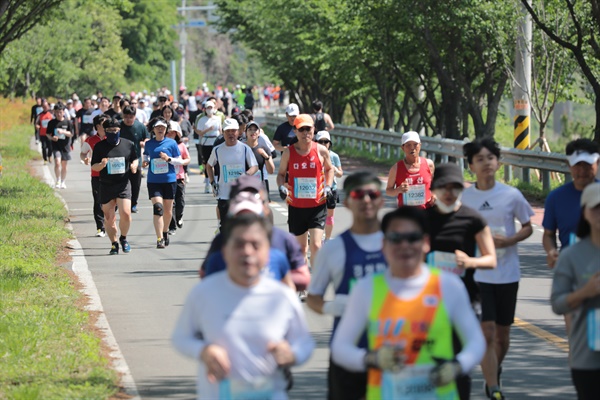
{"points": [[522, 85], [182, 44]]}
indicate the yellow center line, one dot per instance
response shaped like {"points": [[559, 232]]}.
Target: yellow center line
{"points": [[543, 334]]}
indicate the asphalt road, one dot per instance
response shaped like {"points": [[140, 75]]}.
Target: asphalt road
{"points": [[143, 292]]}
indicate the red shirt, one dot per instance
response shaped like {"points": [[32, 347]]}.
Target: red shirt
{"points": [[306, 178], [419, 192], [92, 141], [44, 118]]}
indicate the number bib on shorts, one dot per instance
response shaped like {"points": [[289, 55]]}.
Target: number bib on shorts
{"points": [[116, 165], [445, 261], [593, 329], [305, 188], [232, 171], [411, 383], [87, 119], [159, 166], [260, 388], [415, 195]]}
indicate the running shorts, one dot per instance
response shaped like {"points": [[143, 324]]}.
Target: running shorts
{"points": [[498, 302], [300, 220]]}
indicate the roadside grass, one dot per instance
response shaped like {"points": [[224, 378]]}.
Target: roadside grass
{"points": [[48, 349]]}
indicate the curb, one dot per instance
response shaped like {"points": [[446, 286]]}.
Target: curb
{"points": [[81, 270]]}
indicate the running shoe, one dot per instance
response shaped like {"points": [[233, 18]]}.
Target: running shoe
{"points": [[302, 295], [206, 189], [160, 243], [134, 209], [63, 185], [166, 238], [114, 249], [125, 245], [497, 395], [172, 232], [485, 386], [180, 223], [57, 185], [100, 233]]}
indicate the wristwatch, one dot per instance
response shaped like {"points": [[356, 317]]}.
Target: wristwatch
{"points": [[169, 159]]}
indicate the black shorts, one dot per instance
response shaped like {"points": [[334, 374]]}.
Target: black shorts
{"points": [[300, 220], [333, 200], [110, 191], [62, 154], [498, 302], [164, 190], [344, 384]]}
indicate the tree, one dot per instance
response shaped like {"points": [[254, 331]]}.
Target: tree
{"points": [[17, 17], [582, 40]]}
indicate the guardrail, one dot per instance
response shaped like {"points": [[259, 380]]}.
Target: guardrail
{"points": [[388, 145]]}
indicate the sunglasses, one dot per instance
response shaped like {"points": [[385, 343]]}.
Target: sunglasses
{"points": [[305, 129], [323, 141], [397, 238], [360, 194]]}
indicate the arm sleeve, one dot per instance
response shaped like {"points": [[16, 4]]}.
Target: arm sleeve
{"points": [[176, 161], [464, 321], [343, 348], [186, 337], [298, 335], [562, 282]]}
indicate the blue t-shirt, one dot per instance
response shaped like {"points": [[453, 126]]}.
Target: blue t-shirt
{"points": [[562, 212], [277, 267], [335, 160], [160, 171]]}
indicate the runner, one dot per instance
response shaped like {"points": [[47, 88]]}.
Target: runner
{"points": [[36, 110], [323, 121], [141, 113], [114, 159], [59, 133], [285, 134], [207, 129], [161, 155], [84, 122], [280, 239], [416, 357], [136, 132], [409, 179], [576, 290], [174, 133], [343, 260], [456, 231], [308, 185], [234, 159], [245, 329], [115, 109], [86, 155], [41, 124], [500, 205], [324, 138], [262, 153]]}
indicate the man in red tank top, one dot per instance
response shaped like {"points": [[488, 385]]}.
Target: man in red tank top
{"points": [[410, 179], [310, 175]]}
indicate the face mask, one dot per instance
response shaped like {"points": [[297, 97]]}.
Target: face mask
{"points": [[112, 137], [447, 209], [210, 111]]}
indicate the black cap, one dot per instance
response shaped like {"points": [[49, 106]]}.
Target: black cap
{"points": [[245, 183], [445, 174], [162, 98]]}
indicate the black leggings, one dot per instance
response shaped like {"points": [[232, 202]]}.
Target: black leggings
{"points": [[586, 382], [46, 148]]}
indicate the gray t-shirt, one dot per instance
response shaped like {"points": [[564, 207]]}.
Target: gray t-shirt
{"points": [[576, 264]]}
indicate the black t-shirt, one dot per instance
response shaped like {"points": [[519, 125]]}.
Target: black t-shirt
{"points": [[155, 113], [113, 114], [64, 142], [456, 231], [119, 157], [86, 124], [320, 124], [285, 134], [35, 111], [135, 133]]}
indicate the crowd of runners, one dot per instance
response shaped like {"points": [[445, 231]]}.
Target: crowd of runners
{"points": [[422, 296]]}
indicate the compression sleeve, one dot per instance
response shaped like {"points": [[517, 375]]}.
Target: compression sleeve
{"points": [[298, 336], [187, 335], [176, 161]]}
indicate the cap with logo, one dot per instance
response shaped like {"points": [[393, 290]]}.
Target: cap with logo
{"points": [[582, 155], [292, 110], [230, 124]]}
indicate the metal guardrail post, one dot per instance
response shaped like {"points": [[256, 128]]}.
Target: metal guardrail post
{"points": [[508, 176], [526, 175], [546, 180]]}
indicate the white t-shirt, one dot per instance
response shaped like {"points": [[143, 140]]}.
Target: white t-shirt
{"points": [[192, 105], [243, 321], [214, 123], [500, 206], [141, 115], [331, 260], [356, 315], [233, 161]]}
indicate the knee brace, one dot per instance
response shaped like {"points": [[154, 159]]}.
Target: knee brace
{"points": [[329, 221], [158, 209]]}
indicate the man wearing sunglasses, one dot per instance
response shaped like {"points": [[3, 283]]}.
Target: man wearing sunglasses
{"points": [[409, 312], [308, 185], [346, 258]]}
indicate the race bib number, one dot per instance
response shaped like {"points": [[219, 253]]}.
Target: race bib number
{"points": [[415, 195], [305, 188], [499, 231], [38, 110], [232, 171], [116, 165], [593, 329], [260, 388], [87, 119], [573, 239], [445, 261], [59, 135], [45, 123], [159, 166], [411, 383]]}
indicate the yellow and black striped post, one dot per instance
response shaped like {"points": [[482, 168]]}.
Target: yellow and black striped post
{"points": [[521, 132]]}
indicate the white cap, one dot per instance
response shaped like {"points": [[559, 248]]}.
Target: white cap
{"points": [[94, 97], [246, 201], [292, 110], [230, 124], [411, 136], [209, 103], [582, 155], [322, 135], [590, 197], [69, 101], [174, 126], [160, 123]]}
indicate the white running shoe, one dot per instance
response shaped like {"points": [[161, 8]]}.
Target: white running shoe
{"points": [[206, 189], [63, 185], [57, 184], [100, 233]]}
